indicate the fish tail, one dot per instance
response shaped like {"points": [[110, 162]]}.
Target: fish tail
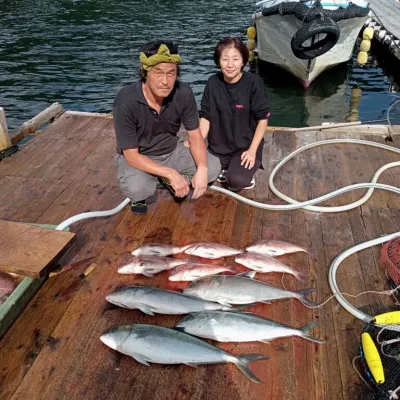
{"points": [[243, 364], [300, 276], [306, 333], [302, 296]]}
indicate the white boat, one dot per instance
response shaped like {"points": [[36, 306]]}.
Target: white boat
{"points": [[306, 38]]}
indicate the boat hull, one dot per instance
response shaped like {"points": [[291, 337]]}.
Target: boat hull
{"points": [[274, 35]]}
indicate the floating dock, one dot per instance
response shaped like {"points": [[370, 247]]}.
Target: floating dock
{"points": [[53, 351], [385, 20]]}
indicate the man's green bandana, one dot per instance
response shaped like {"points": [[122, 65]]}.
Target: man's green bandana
{"points": [[162, 56]]}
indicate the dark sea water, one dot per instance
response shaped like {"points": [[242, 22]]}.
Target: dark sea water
{"points": [[81, 52]]}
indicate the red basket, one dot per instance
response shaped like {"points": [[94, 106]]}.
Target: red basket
{"points": [[390, 259]]}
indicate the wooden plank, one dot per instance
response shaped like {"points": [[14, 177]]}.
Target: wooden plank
{"points": [[36, 122], [303, 224], [28, 250]]}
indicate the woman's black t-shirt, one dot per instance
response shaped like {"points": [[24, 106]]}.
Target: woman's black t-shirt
{"points": [[234, 110]]}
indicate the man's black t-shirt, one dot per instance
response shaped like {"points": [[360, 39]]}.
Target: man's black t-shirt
{"points": [[139, 126], [234, 110]]}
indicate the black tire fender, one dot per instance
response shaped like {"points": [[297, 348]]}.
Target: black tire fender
{"points": [[311, 29]]}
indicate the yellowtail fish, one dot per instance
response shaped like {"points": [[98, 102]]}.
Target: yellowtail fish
{"points": [[157, 249], [190, 272], [265, 263], [239, 289], [277, 248], [211, 250], [240, 327], [149, 265], [156, 344], [151, 300]]}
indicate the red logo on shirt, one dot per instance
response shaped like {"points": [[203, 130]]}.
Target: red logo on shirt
{"points": [[239, 105]]}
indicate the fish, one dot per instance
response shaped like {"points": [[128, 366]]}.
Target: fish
{"points": [[241, 289], [190, 272], [211, 250], [264, 263], [7, 286], [156, 344], [151, 300], [149, 265], [157, 249], [240, 327], [277, 248]]}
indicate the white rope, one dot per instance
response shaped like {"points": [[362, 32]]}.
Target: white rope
{"points": [[393, 394]]}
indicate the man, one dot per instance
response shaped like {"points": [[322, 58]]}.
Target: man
{"points": [[147, 118]]}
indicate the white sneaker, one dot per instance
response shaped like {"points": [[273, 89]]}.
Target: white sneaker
{"points": [[222, 176], [252, 184]]}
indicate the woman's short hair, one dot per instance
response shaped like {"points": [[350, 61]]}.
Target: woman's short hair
{"points": [[151, 48], [233, 42]]}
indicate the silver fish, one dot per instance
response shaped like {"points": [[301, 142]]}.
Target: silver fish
{"points": [[190, 272], [240, 327], [156, 344], [149, 265], [157, 249], [236, 289], [152, 300], [211, 250], [265, 263], [277, 248]]}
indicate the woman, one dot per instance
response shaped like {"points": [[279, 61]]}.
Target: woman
{"points": [[234, 114]]}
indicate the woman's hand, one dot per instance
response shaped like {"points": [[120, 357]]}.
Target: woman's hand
{"points": [[248, 158]]}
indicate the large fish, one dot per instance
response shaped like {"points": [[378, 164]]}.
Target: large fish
{"points": [[149, 265], [157, 249], [277, 248], [152, 300], [190, 272], [211, 250], [156, 344], [240, 327], [7, 286], [235, 289], [265, 263]]}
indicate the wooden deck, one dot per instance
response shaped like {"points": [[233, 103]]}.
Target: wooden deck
{"points": [[386, 23], [388, 11], [53, 350]]}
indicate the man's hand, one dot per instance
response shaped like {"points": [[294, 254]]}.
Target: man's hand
{"points": [[179, 184], [248, 159], [199, 182]]}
